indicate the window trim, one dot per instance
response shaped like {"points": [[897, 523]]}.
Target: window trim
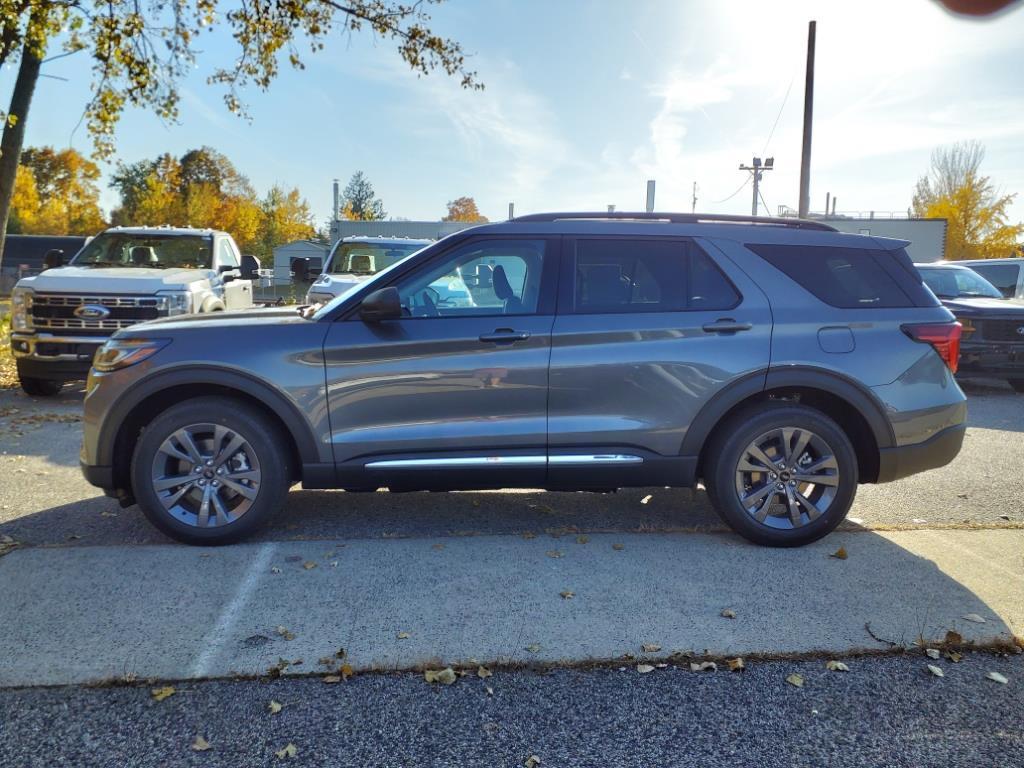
{"points": [[567, 280]]}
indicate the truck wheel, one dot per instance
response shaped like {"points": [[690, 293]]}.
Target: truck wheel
{"points": [[781, 474], [40, 387], [1017, 384], [210, 470]]}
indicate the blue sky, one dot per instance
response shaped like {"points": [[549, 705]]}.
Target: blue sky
{"points": [[586, 100]]}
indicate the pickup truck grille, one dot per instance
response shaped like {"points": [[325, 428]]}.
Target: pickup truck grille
{"points": [[62, 312], [1003, 330]]}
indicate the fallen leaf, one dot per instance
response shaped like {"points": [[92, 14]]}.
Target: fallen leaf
{"points": [[529, 535], [836, 666], [728, 613], [567, 595], [403, 635], [446, 675], [483, 672], [953, 638], [933, 653], [289, 750], [839, 554], [309, 565], [643, 669], [200, 744], [663, 665], [331, 679], [582, 539], [274, 707], [532, 761], [646, 499], [341, 653], [795, 680], [553, 553], [953, 656], [533, 648], [275, 569], [650, 647], [936, 670], [735, 665], [108, 514], [997, 678], [438, 547], [285, 633], [334, 563], [703, 666], [159, 694], [490, 691], [346, 671], [975, 618]]}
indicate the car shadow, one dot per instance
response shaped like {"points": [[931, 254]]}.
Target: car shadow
{"points": [[992, 404]]}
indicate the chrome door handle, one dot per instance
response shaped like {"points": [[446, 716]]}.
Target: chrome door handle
{"points": [[505, 336], [726, 325]]}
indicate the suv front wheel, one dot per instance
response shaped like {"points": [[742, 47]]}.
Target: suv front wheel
{"points": [[781, 474], [210, 471]]}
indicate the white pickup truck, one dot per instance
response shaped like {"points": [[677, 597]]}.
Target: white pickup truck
{"points": [[123, 276]]}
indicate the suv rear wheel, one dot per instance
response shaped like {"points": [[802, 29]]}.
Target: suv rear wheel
{"points": [[210, 471], [781, 474]]}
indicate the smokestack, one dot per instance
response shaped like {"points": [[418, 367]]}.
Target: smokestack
{"points": [[337, 203], [511, 211], [828, 196], [650, 195]]}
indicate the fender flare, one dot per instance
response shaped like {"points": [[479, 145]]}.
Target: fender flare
{"points": [[289, 414]]}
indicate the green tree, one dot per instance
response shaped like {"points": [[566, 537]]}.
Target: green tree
{"points": [[285, 217], [140, 52], [464, 209], [358, 200], [976, 215]]}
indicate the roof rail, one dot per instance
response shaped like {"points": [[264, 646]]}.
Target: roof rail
{"points": [[681, 218]]}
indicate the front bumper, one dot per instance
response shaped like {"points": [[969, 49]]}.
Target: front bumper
{"points": [[905, 460], [46, 356], [992, 358]]}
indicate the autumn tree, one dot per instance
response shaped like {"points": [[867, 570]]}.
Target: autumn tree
{"points": [[463, 209], [285, 217], [954, 189], [359, 202], [66, 190], [140, 52]]}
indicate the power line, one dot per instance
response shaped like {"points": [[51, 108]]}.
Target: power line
{"points": [[730, 197], [782, 107]]}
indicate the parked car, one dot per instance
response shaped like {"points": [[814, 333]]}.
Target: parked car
{"points": [[1007, 275], [778, 360], [123, 276], [354, 260], [993, 326]]}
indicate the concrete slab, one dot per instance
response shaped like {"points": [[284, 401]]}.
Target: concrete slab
{"points": [[75, 615]]}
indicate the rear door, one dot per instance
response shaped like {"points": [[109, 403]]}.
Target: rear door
{"points": [[648, 330]]}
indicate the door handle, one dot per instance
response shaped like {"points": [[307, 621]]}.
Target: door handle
{"points": [[505, 336], [726, 325]]}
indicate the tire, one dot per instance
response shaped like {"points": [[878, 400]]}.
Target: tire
{"points": [[250, 489], [764, 425], [40, 387], [1017, 384]]}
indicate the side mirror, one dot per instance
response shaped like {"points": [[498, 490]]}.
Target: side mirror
{"points": [[250, 267], [53, 258], [383, 304]]}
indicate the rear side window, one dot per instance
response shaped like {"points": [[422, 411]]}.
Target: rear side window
{"points": [[623, 275], [850, 278], [1002, 276]]}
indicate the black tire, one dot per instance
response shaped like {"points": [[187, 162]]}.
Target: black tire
{"points": [[262, 450], [40, 387], [1017, 384], [729, 446]]}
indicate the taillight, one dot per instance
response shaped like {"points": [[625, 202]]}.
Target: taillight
{"points": [[944, 337]]}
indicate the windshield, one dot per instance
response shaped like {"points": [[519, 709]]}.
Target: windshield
{"points": [[958, 283], [125, 249], [368, 258]]}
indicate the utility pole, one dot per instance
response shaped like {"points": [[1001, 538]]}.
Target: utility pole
{"points": [[805, 155], [756, 168], [693, 206], [650, 195]]}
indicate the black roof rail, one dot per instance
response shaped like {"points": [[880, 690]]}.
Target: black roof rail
{"points": [[682, 218]]}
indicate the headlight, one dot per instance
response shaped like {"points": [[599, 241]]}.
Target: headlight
{"points": [[120, 353], [317, 298], [176, 302], [21, 304]]}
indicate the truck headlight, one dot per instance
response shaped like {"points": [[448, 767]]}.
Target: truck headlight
{"points": [[21, 306], [176, 302], [120, 353]]}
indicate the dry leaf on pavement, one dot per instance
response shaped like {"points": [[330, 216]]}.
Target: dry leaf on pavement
{"points": [[309, 565], [483, 672], [567, 594], [490, 691], [331, 679], [533, 648], [618, 547], [529, 535], [553, 553], [403, 635], [275, 569], [836, 666], [289, 750], [997, 677], [937, 671], [975, 618], [285, 633], [159, 694], [646, 499], [582, 539], [274, 707], [703, 666], [643, 669], [795, 680], [446, 675], [200, 744], [650, 647], [953, 638], [438, 547], [735, 665], [728, 613], [933, 653], [953, 656], [531, 762], [346, 671], [839, 554]]}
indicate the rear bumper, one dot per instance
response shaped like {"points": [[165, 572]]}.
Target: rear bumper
{"points": [[905, 460]]}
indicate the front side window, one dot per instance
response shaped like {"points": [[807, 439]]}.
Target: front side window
{"points": [[227, 254], [124, 249], [482, 278], [623, 275]]}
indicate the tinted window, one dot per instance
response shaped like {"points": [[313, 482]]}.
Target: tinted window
{"points": [[483, 278], [850, 278], [621, 275], [1002, 276], [953, 283]]}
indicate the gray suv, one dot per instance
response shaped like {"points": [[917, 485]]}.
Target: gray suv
{"points": [[776, 360]]}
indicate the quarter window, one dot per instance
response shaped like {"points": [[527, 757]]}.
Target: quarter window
{"points": [[622, 275]]}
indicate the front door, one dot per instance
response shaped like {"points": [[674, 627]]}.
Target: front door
{"points": [[456, 388]]}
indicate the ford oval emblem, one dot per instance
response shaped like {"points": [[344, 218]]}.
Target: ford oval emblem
{"points": [[92, 312], [1020, 330]]}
